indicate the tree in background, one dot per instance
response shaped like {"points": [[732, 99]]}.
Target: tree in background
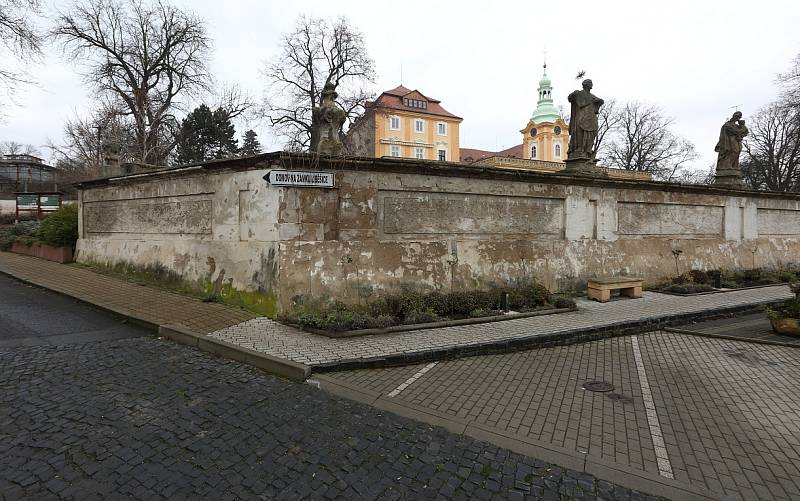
{"points": [[205, 135], [15, 148], [771, 152], [250, 144], [638, 138], [316, 53], [20, 41], [80, 155], [143, 57]]}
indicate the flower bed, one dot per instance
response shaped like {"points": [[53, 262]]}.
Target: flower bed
{"points": [[785, 319], [412, 309], [703, 282]]}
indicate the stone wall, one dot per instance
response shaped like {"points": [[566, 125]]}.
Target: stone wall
{"points": [[391, 221]]}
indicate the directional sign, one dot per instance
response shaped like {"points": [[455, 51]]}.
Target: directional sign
{"points": [[301, 178]]}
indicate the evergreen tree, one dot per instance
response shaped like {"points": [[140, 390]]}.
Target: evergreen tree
{"points": [[226, 143], [205, 135], [196, 136], [250, 144]]}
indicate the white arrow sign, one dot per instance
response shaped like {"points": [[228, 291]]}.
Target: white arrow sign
{"points": [[301, 178]]}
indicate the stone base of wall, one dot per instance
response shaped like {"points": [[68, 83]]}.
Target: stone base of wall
{"points": [[57, 254]]}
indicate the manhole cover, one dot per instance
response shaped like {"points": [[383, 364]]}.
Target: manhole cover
{"points": [[597, 386]]}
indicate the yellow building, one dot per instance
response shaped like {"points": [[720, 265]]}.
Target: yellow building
{"points": [[546, 137], [405, 123]]}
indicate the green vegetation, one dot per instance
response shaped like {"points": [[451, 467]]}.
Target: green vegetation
{"points": [[159, 276], [789, 308], [695, 281], [60, 229], [24, 231], [411, 306]]}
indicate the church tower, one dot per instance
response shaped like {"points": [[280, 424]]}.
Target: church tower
{"points": [[546, 137]]}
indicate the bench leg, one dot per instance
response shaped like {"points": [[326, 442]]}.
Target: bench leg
{"points": [[599, 295], [633, 292]]}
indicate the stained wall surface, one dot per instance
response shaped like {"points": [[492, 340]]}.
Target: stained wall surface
{"points": [[394, 222]]}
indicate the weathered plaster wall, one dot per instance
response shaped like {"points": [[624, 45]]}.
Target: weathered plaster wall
{"points": [[382, 227], [202, 225]]}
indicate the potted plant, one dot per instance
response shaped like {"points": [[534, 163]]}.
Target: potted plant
{"points": [[785, 319]]}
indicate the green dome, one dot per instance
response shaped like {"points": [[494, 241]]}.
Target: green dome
{"points": [[545, 111]]}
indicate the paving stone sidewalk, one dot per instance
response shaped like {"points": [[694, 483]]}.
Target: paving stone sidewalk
{"points": [[272, 338], [149, 304]]}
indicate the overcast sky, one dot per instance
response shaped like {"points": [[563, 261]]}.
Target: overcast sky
{"points": [[695, 59]]}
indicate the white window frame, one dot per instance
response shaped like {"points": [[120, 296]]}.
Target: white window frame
{"points": [[534, 152], [394, 148], [392, 118], [419, 153], [419, 125], [438, 156], [441, 126], [557, 150]]}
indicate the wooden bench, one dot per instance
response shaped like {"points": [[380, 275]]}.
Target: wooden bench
{"points": [[600, 288]]}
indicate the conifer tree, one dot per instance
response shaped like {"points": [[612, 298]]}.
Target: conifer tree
{"points": [[250, 144], [205, 135]]}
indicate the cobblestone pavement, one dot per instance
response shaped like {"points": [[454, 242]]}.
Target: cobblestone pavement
{"points": [[149, 304], [147, 419], [723, 414], [272, 338]]}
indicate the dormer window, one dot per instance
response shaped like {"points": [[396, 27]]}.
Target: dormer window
{"points": [[415, 103]]}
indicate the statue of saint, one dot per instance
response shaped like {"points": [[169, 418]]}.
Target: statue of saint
{"points": [[326, 124], [729, 145], [583, 122]]}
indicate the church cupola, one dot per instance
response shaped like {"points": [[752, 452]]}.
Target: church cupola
{"points": [[545, 109]]}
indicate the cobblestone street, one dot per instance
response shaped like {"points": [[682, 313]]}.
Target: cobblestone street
{"points": [[146, 418]]}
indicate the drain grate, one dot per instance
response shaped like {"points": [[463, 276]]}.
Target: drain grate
{"points": [[599, 386]]}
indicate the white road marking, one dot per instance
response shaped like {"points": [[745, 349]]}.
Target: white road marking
{"points": [[413, 378], [662, 458]]}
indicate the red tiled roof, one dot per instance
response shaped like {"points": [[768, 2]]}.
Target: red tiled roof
{"points": [[393, 99], [473, 155]]}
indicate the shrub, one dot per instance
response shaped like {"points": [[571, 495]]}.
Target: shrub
{"points": [[24, 231], [563, 302], [60, 229], [421, 317], [788, 309]]}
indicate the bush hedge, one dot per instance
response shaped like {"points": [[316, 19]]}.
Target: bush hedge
{"points": [[703, 280], [60, 229]]}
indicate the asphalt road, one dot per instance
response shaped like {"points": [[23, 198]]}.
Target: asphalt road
{"points": [[93, 408], [30, 316]]}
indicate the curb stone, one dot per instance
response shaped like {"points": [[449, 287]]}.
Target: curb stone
{"points": [[567, 337]]}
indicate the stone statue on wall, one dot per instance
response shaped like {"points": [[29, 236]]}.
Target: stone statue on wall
{"points": [[583, 124], [728, 148], [326, 124]]}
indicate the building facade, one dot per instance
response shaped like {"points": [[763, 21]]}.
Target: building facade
{"points": [[406, 124], [25, 173], [546, 137]]}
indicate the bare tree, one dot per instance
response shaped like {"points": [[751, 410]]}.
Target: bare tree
{"points": [[771, 152], [608, 121], [235, 101], [791, 83], [316, 53], [143, 56], [20, 39], [15, 148], [642, 141], [80, 156]]}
